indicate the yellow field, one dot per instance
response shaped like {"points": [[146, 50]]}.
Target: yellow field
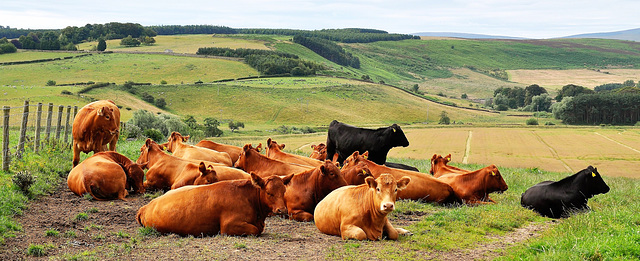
{"points": [[184, 43], [559, 149], [555, 79]]}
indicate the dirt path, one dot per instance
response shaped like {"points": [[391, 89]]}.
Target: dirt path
{"points": [[110, 232]]}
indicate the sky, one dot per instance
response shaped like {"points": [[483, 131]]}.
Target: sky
{"points": [[538, 19]]}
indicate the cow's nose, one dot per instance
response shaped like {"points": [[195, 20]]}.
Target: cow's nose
{"points": [[387, 206], [281, 211]]}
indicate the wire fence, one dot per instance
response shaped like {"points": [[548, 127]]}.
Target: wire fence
{"points": [[31, 125]]}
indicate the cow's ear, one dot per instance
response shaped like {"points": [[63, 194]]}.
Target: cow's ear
{"points": [[323, 170], [185, 138], [371, 182], [142, 165], [202, 168], [147, 142], [100, 112], [434, 157], [281, 146], [403, 182], [365, 154], [286, 179], [259, 147], [313, 147], [257, 181], [246, 147], [269, 141]]}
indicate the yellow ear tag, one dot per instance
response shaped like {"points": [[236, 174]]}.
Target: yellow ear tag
{"points": [[364, 172], [365, 156], [394, 130], [448, 159], [164, 147], [493, 173], [210, 167], [593, 174]]}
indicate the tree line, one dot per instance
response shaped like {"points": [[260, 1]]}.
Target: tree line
{"points": [[191, 29], [267, 62], [599, 108], [329, 50], [347, 35]]}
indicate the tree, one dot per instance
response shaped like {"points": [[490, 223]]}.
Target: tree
{"points": [[211, 127], [572, 90], [444, 118], [129, 41], [540, 103], [464, 96], [102, 45], [191, 122], [235, 125], [532, 90], [415, 88], [160, 103]]}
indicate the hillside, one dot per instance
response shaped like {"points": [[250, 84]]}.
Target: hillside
{"points": [[628, 35]]}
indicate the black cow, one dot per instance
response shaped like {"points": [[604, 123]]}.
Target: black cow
{"points": [[558, 199], [345, 139]]}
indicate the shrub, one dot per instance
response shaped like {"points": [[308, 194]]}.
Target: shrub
{"points": [[444, 118], [51, 83], [153, 134], [23, 180], [549, 123], [66, 92], [147, 97], [160, 103], [81, 216], [36, 250], [532, 121], [52, 233], [163, 82]]}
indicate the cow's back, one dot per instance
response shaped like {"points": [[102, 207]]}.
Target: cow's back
{"points": [[99, 176], [233, 151]]}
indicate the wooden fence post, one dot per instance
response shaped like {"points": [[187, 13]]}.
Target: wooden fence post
{"points": [[23, 129], [5, 139], [59, 126], [36, 147], [66, 126], [49, 116]]}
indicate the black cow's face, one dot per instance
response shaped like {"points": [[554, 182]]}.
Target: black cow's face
{"points": [[397, 136], [595, 182]]}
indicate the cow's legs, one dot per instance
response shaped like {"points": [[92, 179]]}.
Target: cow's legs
{"points": [[392, 232], [239, 228], [301, 216], [352, 232], [76, 154]]}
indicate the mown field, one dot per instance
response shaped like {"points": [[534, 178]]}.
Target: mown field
{"points": [[181, 44]]}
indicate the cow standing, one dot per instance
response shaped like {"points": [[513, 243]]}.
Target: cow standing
{"points": [[96, 125], [558, 199], [344, 139], [360, 212], [234, 207]]}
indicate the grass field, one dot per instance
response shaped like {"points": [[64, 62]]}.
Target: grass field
{"points": [[119, 68], [23, 55], [188, 43]]}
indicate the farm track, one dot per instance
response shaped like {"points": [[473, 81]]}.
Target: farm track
{"points": [[467, 151], [617, 142], [553, 151]]}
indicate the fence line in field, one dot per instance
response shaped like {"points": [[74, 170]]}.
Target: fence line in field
{"points": [[29, 120]]}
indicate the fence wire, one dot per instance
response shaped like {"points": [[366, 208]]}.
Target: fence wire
{"points": [[21, 125]]}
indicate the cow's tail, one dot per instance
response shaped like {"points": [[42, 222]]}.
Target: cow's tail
{"points": [[93, 190]]}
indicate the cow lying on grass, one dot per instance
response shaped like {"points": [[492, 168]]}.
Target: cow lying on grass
{"points": [[176, 145], [474, 187], [274, 151], [360, 212], [439, 166], [560, 198], [234, 207], [106, 175], [252, 161]]}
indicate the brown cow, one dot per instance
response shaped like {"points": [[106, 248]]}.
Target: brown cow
{"points": [[474, 187], [360, 212], [252, 161], [439, 166], [96, 125], [106, 175], [233, 151], [423, 186], [274, 151], [180, 149], [170, 172], [355, 174], [235, 207], [319, 152], [308, 188]]}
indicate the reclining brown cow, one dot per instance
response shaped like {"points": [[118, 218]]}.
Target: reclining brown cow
{"points": [[423, 186], [106, 175], [176, 145], [169, 172], [252, 161], [474, 187], [360, 212], [235, 208], [306, 189], [233, 151], [319, 152], [95, 125], [274, 151], [439, 166]]}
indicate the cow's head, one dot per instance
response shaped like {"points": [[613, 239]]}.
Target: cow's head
{"points": [[386, 189], [329, 177], [272, 192], [319, 152], [273, 146], [396, 136], [174, 139], [356, 173], [593, 182], [207, 175], [493, 180], [107, 120], [437, 161], [135, 176], [148, 146]]}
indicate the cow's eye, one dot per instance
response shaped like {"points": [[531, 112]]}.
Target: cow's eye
{"points": [[378, 189], [396, 190]]}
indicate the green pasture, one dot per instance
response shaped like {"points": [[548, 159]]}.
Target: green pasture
{"points": [[119, 68], [183, 43], [23, 55], [608, 232]]}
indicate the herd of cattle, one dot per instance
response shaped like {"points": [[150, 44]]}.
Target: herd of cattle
{"points": [[345, 186]]}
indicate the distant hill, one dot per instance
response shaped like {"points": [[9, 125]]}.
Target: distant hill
{"points": [[629, 35], [465, 35]]}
